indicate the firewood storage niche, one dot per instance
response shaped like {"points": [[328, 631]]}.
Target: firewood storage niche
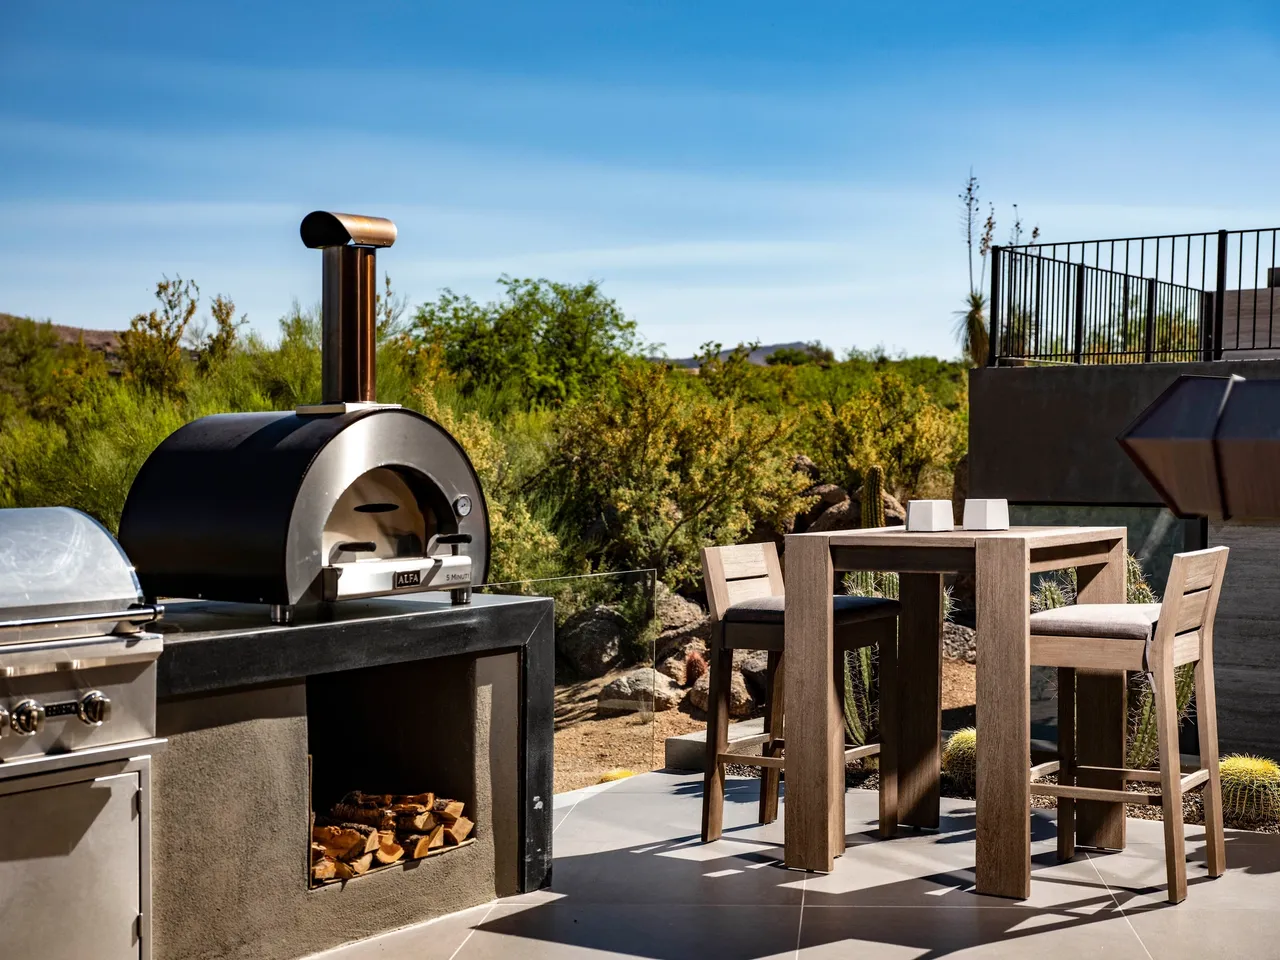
{"points": [[393, 767]]}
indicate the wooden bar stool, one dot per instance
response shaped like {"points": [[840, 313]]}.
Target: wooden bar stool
{"points": [[1153, 638], [746, 600]]}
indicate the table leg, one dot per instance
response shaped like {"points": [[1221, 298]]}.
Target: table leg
{"points": [[919, 698], [1101, 711], [1004, 718], [814, 808]]}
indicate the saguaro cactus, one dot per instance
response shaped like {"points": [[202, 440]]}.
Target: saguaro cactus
{"points": [[873, 497]]}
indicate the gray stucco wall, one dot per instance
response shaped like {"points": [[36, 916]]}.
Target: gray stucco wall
{"points": [[1246, 639], [1048, 434], [232, 802]]}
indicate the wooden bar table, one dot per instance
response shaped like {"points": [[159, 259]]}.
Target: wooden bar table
{"points": [[1002, 562]]}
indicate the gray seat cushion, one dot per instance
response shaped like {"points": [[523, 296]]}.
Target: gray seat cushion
{"points": [[847, 610], [1135, 621]]}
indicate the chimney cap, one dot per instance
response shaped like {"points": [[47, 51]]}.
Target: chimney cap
{"points": [[323, 229]]}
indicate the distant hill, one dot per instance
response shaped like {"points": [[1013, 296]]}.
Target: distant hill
{"points": [[106, 342], [758, 356]]}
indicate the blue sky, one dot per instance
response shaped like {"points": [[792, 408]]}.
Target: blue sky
{"points": [[730, 171]]}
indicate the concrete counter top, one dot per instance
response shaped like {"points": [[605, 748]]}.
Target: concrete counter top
{"points": [[212, 646]]}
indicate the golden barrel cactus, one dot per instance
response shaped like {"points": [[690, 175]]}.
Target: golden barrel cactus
{"points": [[960, 758], [1250, 789]]}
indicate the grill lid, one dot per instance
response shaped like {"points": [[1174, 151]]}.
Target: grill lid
{"points": [[62, 575]]}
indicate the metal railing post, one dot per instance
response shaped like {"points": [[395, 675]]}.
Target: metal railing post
{"points": [[1149, 333], [1079, 314], [1219, 298], [1207, 300], [993, 311]]}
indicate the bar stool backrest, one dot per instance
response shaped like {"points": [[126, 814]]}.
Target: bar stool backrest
{"points": [[1191, 594], [741, 572]]}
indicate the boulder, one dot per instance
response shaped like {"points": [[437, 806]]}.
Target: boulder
{"points": [[754, 667], [680, 620], [591, 640], [802, 464], [643, 690], [741, 703], [828, 495], [959, 642], [673, 611], [673, 667], [847, 514]]}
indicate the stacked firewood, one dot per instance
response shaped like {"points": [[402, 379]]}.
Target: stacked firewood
{"points": [[365, 831]]}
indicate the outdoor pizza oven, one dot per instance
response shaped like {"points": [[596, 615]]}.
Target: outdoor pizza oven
{"points": [[344, 499]]}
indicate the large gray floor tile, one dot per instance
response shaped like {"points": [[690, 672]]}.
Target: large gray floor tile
{"points": [[568, 931], [727, 871], [1000, 932], [437, 940], [1174, 933]]}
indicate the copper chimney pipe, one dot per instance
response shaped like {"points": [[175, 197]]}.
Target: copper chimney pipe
{"points": [[348, 323]]}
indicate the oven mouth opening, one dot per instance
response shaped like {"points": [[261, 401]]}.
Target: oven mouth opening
{"points": [[386, 535]]}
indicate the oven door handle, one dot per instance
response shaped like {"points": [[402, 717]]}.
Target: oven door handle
{"points": [[142, 613]]}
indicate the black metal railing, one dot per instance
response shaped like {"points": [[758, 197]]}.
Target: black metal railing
{"points": [[1197, 296]]}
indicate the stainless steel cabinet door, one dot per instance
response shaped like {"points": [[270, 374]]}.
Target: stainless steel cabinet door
{"points": [[70, 871]]}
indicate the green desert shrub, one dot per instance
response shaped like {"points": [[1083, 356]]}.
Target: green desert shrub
{"points": [[650, 476], [960, 759], [1250, 790]]}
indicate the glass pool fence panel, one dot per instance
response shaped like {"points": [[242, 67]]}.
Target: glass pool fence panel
{"points": [[605, 674]]}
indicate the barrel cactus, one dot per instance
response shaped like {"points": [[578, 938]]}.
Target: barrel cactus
{"points": [[1250, 789], [873, 497], [960, 759]]}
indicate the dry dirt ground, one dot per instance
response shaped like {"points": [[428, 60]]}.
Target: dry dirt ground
{"points": [[589, 747]]}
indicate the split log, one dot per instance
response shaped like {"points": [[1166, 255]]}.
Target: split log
{"points": [[340, 843], [425, 799], [380, 818], [324, 869], [388, 853], [458, 831], [416, 846], [422, 822], [343, 871], [436, 837], [372, 838], [361, 865], [317, 852], [448, 810]]}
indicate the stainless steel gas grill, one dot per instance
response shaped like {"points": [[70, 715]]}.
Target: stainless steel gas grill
{"points": [[77, 730], [343, 499]]}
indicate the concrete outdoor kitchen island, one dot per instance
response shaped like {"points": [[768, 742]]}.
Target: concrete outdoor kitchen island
{"points": [[395, 695]]}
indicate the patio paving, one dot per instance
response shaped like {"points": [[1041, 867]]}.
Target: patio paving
{"points": [[632, 880]]}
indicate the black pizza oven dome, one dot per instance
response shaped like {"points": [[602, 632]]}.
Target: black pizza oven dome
{"points": [[348, 498]]}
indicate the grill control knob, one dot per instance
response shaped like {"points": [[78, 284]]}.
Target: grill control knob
{"points": [[27, 718], [95, 708]]}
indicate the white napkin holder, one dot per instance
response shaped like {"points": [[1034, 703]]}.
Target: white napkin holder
{"points": [[929, 516], [986, 514]]}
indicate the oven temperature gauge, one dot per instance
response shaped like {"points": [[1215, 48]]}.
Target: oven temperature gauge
{"points": [[462, 506]]}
